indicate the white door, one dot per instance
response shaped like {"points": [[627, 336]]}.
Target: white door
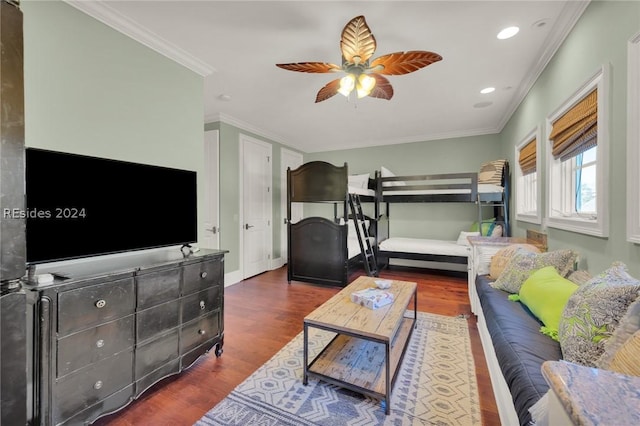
{"points": [[256, 210], [211, 238], [293, 160]]}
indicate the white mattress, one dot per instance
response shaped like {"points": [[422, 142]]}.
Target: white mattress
{"points": [[483, 188], [424, 246]]}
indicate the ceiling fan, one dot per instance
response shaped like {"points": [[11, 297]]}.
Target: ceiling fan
{"points": [[363, 74]]}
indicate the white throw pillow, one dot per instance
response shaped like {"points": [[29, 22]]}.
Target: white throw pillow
{"points": [[359, 181], [462, 238]]}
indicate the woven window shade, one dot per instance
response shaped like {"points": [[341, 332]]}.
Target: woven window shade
{"points": [[527, 158], [577, 130]]}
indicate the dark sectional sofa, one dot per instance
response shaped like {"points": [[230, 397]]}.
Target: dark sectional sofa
{"points": [[515, 350]]}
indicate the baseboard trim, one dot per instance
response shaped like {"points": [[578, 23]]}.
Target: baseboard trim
{"points": [[232, 278]]}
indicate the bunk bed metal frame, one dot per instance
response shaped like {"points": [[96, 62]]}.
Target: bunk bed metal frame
{"points": [[437, 188]]}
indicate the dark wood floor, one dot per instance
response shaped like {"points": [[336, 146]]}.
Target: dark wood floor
{"points": [[261, 315]]}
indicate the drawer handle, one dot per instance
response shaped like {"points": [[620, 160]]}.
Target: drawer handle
{"points": [[101, 303], [201, 332], [100, 343], [98, 385], [203, 274], [202, 305]]}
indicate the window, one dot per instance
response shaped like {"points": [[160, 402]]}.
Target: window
{"points": [[577, 160], [633, 140], [527, 181]]}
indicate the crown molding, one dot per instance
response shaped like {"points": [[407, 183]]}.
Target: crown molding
{"points": [[411, 139], [101, 11], [570, 15], [243, 125]]}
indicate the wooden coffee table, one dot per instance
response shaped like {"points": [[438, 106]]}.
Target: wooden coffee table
{"points": [[366, 353]]}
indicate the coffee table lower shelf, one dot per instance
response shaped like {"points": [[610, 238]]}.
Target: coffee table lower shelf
{"points": [[358, 362]]}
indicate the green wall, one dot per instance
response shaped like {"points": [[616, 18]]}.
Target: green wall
{"points": [[94, 91], [230, 228], [599, 37], [422, 220]]}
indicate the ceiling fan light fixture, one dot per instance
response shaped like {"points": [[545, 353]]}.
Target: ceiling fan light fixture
{"points": [[365, 85], [347, 83], [363, 73]]}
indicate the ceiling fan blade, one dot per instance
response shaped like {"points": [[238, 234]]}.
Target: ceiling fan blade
{"points": [[357, 42], [328, 91], [313, 67], [404, 62], [382, 89]]}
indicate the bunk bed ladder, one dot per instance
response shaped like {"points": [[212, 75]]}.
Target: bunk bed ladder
{"points": [[368, 255]]}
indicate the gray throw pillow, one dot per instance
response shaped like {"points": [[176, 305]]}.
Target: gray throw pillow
{"points": [[524, 263]]}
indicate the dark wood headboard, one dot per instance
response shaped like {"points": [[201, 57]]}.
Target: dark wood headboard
{"points": [[317, 181]]}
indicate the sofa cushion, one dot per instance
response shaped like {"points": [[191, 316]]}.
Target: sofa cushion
{"points": [[519, 346], [546, 293], [593, 313], [524, 263]]}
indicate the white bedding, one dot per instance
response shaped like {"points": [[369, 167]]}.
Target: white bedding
{"points": [[424, 246], [361, 191], [483, 188]]}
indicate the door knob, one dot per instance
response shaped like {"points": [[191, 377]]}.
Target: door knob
{"points": [[247, 226], [213, 230]]}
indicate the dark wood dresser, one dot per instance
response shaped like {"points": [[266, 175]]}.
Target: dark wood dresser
{"points": [[102, 337]]}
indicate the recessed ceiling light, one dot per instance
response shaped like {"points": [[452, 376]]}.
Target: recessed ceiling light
{"points": [[482, 104], [508, 33], [487, 90], [540, 23]]}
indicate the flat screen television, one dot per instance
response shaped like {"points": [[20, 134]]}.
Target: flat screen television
{"points": [[80, 206]]}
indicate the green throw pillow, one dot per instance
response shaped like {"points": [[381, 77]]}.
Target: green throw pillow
{"points": [[593, 313], [487, 226], [546, 293]]}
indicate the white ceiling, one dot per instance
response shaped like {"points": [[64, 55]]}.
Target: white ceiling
{"points": [[236, 44]]}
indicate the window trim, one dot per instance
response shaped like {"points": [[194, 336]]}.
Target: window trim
{"points": [[527, 217], [600, 226], [633, 139]]}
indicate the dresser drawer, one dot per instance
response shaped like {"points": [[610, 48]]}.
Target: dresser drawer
{"points": [[154, 321], [88, 386], [158, 287], [92, 345], [200, 304], [155, 353], [199, 331], [87, 307], [202, 275]]}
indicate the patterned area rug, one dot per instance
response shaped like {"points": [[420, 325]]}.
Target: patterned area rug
{"points": [[436, 385]]}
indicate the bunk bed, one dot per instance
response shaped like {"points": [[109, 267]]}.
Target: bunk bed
{"points": [[486, 190], [322, 250]]}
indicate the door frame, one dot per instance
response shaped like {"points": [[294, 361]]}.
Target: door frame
{"points": [[241, 139], [216, 191], [283, 200]]}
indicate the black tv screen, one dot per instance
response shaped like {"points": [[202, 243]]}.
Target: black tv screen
{"points": [[79, 206]]}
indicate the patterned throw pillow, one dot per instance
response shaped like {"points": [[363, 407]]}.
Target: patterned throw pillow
{"points": [[625, 360], [580, 277], [503, 256], [491, 172], [622, 350], [593, 313], [524, 263]]}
